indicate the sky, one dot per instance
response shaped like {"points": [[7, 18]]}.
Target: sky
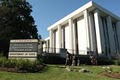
{"points": [[47, 12]]}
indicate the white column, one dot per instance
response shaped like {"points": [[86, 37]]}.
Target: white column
{"points": [[86, 17], [99, 32], [111, 35], [59, 36], [92, 35], [51, 41], [71, 35], [118, 33], [47, 48], [74, 38]]}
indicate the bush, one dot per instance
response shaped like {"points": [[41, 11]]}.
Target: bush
{"points": [[1, 54], [4, 62], [7, 63], [117, 62], [20, 64], [1, 62], [105, 62]]}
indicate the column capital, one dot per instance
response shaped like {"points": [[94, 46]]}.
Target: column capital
{"points": [[118, 22], [59, 26], [85, 10], [96, 10], [51, 30], [70, 20], [109, 17]]}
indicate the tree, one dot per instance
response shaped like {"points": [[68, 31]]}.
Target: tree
{"points": [[16, 21]]}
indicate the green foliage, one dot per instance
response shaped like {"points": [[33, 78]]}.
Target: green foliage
{"points": [[27, 64], [1, 54], [8, 63], [16, 21], [117, 62], [21, 64], [1, 62], [105, 62]]}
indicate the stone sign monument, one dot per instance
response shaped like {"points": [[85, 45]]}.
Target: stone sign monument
{"points": [[23, 49]]}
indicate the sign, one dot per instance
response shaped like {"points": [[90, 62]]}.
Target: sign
{"points": [[25, 48]]}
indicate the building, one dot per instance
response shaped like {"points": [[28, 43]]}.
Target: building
{"points": [[89, 29]]}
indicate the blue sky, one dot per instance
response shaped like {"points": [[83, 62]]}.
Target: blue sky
{"points": [[47, 12]]}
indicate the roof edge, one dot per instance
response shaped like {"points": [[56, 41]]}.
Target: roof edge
{"points": [[82, 8]]}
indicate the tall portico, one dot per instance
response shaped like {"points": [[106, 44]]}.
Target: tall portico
{"points": [[86, 17], [99, 32], [90, 28]]}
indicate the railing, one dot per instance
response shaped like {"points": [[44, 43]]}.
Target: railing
{"points": [[71, 51], [51, 50]]}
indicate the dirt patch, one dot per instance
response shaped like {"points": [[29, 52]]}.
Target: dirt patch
{"points": [[8, 69], [36, 69], [112, 75]]}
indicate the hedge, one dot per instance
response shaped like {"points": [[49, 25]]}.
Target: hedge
{"points": [[22, 64]]}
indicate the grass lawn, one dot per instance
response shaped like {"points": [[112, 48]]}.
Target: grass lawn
{"points": [[55, 73]]}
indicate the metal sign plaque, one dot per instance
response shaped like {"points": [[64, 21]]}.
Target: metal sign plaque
{"points": [[26, 48]]}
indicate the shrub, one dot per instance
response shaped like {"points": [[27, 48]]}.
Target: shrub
{"points": [[117, 62], [7, 63], [1, 62], [24, 64], [20, 64], [1, 54], [4, 62], [105, 62]]}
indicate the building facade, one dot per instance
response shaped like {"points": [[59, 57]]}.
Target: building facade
{"points": [[90, 28]]}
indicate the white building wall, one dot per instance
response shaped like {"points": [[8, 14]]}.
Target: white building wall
{"points": [[67, 41], [57, 42], [111, 35], [74, 37], [86, 19], [70, 22], [118, 33], [51, 41], [59, 36], [99, 32], [44, 47], [102, 36], [92, 33], [82, 41]]}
